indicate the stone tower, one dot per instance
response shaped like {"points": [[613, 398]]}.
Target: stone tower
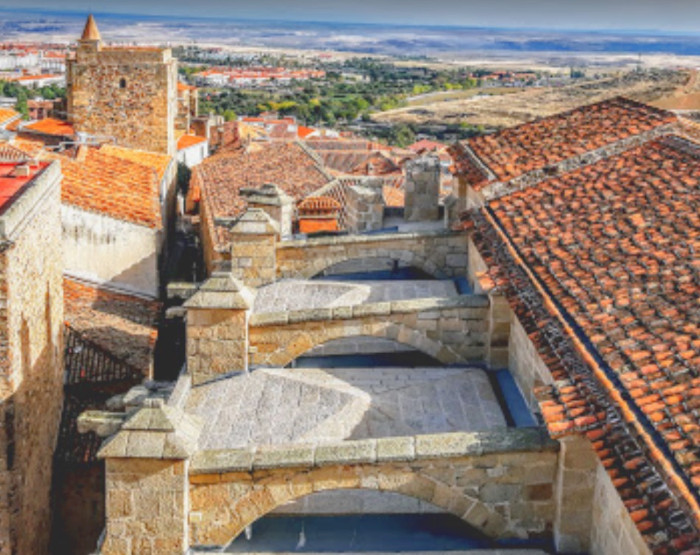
{"points": [[127, 94]]}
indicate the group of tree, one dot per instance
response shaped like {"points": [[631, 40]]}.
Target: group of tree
{"points": [[351, 90], [21, 93]]}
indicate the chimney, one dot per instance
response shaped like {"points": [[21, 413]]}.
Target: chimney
{"points": [[422, 189]]}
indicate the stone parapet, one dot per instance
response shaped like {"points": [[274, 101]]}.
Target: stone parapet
{"points": [[369, 451], [386, 308], [500, 483], [452, 330], [442, 254]]}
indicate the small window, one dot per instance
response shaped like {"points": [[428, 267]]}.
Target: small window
{"points": [[122, 83]]}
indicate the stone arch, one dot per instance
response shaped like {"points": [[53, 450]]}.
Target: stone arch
{"points": [[318, 265], [346, 346], [266, 494], [303, 339]]}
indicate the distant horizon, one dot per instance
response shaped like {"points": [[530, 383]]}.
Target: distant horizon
{"points": [[82, 11]]}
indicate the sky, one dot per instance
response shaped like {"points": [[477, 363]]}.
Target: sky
{"points": [[654, 15]]}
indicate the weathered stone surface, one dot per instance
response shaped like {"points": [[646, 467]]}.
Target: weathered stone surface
{"points": [[31, 360], [127, 94]]}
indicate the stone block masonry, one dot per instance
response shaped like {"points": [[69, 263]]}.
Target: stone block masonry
{"points": [[129, 95], [31, 362], [452, 331], [438, 253], [499, 482], [422, 189]]}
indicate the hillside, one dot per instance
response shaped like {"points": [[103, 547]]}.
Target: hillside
{"points": [[501, 110]]}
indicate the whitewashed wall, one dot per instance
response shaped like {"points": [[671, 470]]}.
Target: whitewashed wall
{"points": [[105, 250]]}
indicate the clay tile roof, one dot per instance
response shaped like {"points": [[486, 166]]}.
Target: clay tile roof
{"points": [[7, 114], [9, 153], [154, 160], [33, 148], [219, 179], [123, 325], [187, 141], [548, 141], [91, 32], [318, 205], [51, 126], [426, 145], [112, 186], [601, 264]]}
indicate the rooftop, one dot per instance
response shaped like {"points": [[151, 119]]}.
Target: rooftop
{"points": [[13, 177], [122, 325], [111, 185], [221, 177], [548, 141], [157, 161], [601, 264], [187, 141], [313, 405], [50, 126], [7, 114]]}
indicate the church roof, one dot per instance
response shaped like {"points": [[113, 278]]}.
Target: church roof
{"points": [[600, 266], [91, 32]]}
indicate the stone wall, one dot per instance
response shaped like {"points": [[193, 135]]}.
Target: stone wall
{"points": [[438, 253], [612, 528], [217, 342], [79, 509], [364, 208], [525, 364], [31, 363], [450, 330], [422, 188], [146, 507], [104, 250], [126, 94], [501, 483]]}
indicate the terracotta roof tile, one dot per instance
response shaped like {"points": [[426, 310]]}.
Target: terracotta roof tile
{"points": [[318, 205], [187, 141], [548, 141], [123, 325], [50, 126], [112, 186], [155, 160], [220, 177], [613, 247], [7, 114]]}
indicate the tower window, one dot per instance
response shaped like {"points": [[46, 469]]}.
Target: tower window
{"points": [[122, 83]]}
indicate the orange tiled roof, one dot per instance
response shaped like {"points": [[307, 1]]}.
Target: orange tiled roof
{"points": [[601, 265], [426, 145], [33, 148], [122, 324], [187, 141], [10, 153], [316, 225], [155, 160], [219, 178], [393, 196], [345, 144], [112, 186], [303, 132], [185, 87], [536, 145], [318, 205], [7, 114], [51, 126]]}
